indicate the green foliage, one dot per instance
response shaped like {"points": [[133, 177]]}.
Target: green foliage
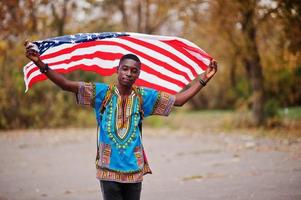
{"points": [[154, 122], [215, 25], [242, 88], [271, 108], [291, 113]]}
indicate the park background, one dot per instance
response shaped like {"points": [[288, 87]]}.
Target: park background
{"points": [[256, 43], [254, 101]]}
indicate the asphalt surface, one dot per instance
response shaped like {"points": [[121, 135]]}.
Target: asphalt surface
{"points": [[59, 164]]}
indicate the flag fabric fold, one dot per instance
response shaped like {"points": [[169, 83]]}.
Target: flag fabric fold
{"points": [[167, 63]]}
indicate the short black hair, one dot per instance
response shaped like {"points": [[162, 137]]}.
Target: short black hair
{"points": [[130, 56]]}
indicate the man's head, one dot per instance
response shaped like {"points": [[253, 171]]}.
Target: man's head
{"points": [[128, 69]]}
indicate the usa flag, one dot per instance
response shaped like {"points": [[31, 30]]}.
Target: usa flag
{"points": [[167, 63]]}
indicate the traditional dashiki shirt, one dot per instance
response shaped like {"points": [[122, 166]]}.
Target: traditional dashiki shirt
{"points": [[122, 157]]}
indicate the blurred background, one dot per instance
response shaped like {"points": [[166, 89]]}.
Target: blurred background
{"points": [[240, 136], [256, 43]]}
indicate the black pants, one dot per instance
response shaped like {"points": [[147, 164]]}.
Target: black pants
{"points": [[120, 191]]}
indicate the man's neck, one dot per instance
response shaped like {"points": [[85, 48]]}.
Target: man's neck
{"points": [[124, 90]]}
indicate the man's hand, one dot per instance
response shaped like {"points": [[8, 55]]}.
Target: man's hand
{"points": [[58, 79], [210, 71], [184, 96], [31, 53]]}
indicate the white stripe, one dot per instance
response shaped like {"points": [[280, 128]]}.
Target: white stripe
{"points": [[158, 81], [160, 37], [32, 75], [92, 49], [51, 50], [164, 71], [152, 39], [176, 53], [110, 49], [157, 55], [106, 64], [31, 65], [25, 79], [206, 61], [109, 65]]}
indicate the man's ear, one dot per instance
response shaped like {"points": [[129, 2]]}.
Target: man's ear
{"points": [[117, 68], [139, 73]]}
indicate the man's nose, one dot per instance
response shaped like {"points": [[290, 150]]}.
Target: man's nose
{"points": [[128, 73]]}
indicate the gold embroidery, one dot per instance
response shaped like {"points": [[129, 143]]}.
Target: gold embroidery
{"points": [[163, 104], [85, 94], [105, 174]]}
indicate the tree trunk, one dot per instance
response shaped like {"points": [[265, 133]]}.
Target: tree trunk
{"points": [[122, 8], [139, 17], [253, 65], [60, 22]]}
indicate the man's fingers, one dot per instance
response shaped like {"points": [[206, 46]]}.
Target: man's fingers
{"points": [[214, 63], [26, 43], [29, 49], [31, 52], [29, 46]]}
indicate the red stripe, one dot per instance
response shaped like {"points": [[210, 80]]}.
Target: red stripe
{"points": [[108, 72], [161, 51], [139, 82], [68, 50], [98, 54], [93, 68], [35, 68], [162, 76], [152, 59], [177, 45], [196, 50], [110, 56], [36, 79], [145, 83], [104, 42]]}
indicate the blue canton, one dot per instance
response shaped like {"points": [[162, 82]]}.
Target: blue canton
{"points": [[44, 45]]}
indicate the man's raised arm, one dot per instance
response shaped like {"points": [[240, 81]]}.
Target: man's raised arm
{"points": [[183, 97], [58, 79]]}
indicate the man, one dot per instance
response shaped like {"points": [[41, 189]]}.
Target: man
{"points": [[121, 161]]}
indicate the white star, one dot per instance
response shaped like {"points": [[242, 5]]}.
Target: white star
{"points": [[73, 41], [56, 41], [72, 36], [89, 37]]}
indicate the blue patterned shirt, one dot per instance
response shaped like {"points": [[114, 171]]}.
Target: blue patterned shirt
{"points": [[121, 153]]}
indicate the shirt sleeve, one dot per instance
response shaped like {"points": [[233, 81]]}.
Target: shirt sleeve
{"points": [[156, 102], [91, 94]]}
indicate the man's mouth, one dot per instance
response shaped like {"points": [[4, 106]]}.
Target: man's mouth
{"points": [[127, 79]]}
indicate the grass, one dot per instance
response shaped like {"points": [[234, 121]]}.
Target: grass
{"points": [[189, 120], [286, 125], [293, 113]]}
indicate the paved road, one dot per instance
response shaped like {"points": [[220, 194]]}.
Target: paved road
{"points": [[59, 164]]}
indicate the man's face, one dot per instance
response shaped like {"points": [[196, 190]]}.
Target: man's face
{"points": [[128, 72]]}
